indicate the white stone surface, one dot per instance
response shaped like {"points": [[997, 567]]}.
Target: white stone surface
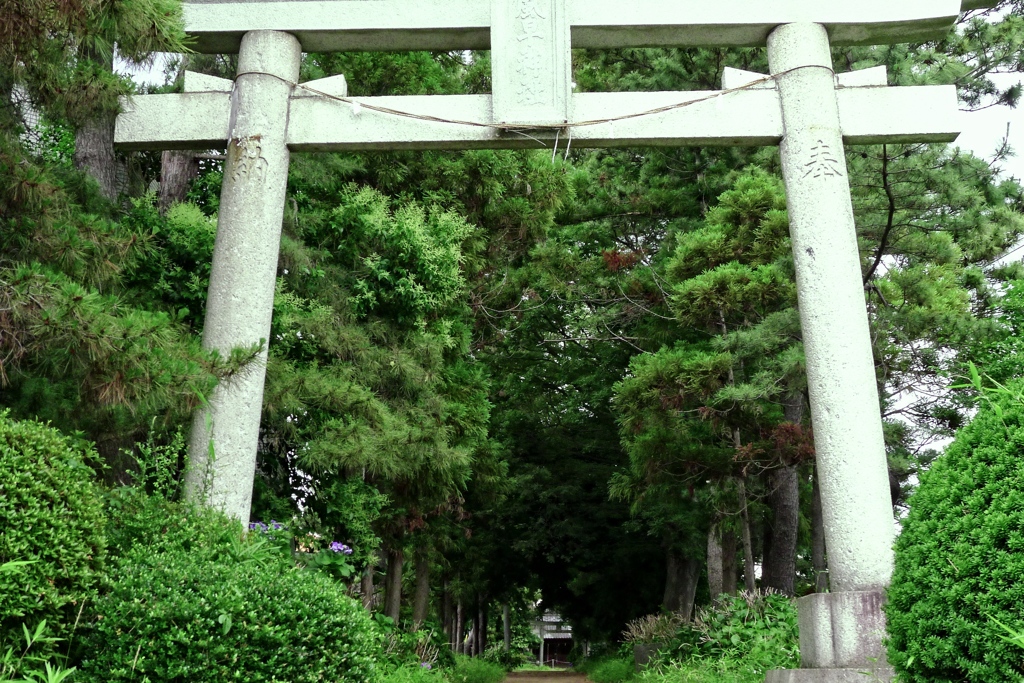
{"points": [[842, 630], [739, 78], [840, 369], [531, 64], [856, 675], [876, 115], [197, 120], [814, 615], [336, 86], [334, 25], [241, 295], [197, 82], [872, 77], [876, 76], [607, 23], [869, 115]]}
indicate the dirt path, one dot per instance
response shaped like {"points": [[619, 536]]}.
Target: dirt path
{"points": [[545, 677]]}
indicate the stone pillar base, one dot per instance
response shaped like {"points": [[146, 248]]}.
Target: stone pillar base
{"points": [[840, 640], [880, 675], [842, 630]]}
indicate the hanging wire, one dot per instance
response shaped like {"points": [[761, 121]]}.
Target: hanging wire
{"points": [[522, 128]]}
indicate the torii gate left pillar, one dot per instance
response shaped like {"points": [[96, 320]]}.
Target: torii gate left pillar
{"points": [[244, 272]]}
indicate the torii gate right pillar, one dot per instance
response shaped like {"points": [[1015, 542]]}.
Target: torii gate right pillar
{"points": [[840, 632]]}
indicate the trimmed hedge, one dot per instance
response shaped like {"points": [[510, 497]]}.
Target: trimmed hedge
{"points": [[50, 516], [182, 616], [960, 558]]}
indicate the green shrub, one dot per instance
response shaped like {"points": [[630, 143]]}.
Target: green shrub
{"points": [[194, 598], [427, 647], [182, 616], [754, 632], [507, 659], [51, 518], [476, 670], [960, 557], [611, 670], [702, 671], [653, 629], [33, 658], [149, 524], [414, 673]]}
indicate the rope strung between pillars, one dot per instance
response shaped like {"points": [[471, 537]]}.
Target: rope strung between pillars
{"points": [[519, 129]]}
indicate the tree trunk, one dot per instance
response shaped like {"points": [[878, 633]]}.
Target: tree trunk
{"points": [[482, 619], [729, 568], [691, 574], [715, 564], [784, 501], [818, 561], [177, 170], [393, 582], [779, 571], [459, 623], [421, 599], [473, 646], [366, 587], [447, 616], [681, 575], [94, 153], [749, 579], [506, 623], [94, 141]]}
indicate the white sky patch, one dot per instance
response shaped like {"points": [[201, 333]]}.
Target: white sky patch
{"points": [[984, 130]]}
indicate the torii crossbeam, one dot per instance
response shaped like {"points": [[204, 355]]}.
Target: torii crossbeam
{"points": [[803, 107]]}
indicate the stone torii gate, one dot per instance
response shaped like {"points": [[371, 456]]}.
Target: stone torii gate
{"points": [[802, 106]]}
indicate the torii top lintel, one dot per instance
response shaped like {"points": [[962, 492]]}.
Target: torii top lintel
{"points": [[395, 25]]}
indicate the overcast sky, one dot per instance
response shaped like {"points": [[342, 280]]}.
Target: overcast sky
{"points": [[984, 130]]}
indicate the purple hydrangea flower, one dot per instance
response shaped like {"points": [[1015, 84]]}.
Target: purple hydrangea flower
{"points": [[426, 665], [340, 548]]}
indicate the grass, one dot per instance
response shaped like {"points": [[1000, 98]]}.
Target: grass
{"points": [[701, 671], [611, 671], [476, 670], [530, 666]]}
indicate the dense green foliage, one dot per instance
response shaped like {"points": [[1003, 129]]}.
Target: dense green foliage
{"points": [[178, 617], [960, 558], [737, 639], [610, 670], [754, 632], [61, 51], [476, 670], [142, 524], [191, 599], [699, 671], [414, 673], [51, 519]]}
